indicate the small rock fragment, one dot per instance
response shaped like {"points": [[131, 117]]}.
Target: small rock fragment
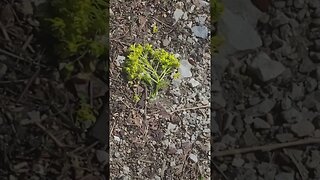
{"points": [[292, 115], [102, 156], [260, 124], [237, 162], [265, 68], [249, 138], [185, 68], [303, 128], [200, 31], [193, 158], [120, 60], [194, 82], [177, 14], [285, 137]]}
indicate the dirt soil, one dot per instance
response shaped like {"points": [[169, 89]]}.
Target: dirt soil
{"points": [[167, 138], [39, 136]]}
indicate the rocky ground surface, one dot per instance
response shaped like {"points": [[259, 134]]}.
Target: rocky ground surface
{"points": [[168, 138], [39, 135], [266, 92]]}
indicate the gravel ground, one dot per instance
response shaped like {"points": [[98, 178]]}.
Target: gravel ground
{"points": [[266, 92], [173, 142]]}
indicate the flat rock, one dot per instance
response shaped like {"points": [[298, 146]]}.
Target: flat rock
{"points": [[297, 91], [303, 128], [102, 156], [285, 137], [259, 123], [178, 13], [237, 162], [249, 138], [200, 31], [193, 82], [185, 69], [265, 68], [239, 32], [193, 158], [291, 115]]}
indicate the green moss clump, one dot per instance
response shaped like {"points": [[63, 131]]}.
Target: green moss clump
{"points": [[151, 66]]}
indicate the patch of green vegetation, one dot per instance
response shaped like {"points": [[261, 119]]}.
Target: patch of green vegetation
{"points": [[85, 113], [152, 67], [216, 41], [75, 33], [216, 9]]}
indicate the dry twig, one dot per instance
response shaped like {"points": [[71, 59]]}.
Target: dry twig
{"points": [[268, 147]]}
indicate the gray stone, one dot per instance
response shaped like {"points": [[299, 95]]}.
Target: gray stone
{"points": [[260, 124], [228, 140], [306, 66], [201, 19], [249, 138], [286, 103], [194, 83], [297, 91], [266, 106], [200, 31], [238, 32], [166, 41], [279, 20], [285, 176], [265, 68], [193, 158], [126, 169], [102, 156], [171, 127], [185, 69], [120, 60], [177, 14], [237, 162], [292, 115], [303, 128], [311, 84], [285, 137]]}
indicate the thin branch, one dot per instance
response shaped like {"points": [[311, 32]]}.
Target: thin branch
{"points": [[268, 147]]}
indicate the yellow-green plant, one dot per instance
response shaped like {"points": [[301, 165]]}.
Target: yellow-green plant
{"points": [[151, 66], [75, 25]]}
